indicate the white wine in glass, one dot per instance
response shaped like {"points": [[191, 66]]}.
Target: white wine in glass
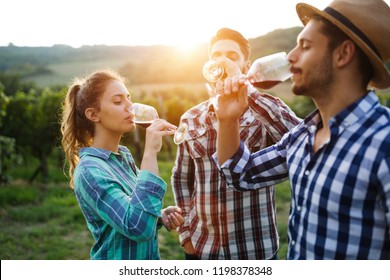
{"points": [[145, 115]]}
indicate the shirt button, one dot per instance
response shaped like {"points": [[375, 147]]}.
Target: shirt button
{"points": [[293, 242], [299, 208], [307, 172]]}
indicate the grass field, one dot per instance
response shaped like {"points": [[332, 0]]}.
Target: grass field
{"points": [[44, 222], [63, 73]]}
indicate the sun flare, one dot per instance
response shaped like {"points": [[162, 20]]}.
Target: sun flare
{"points": [[185, 47]]}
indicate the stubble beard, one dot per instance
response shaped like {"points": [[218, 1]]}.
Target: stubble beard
{"points": [[316, 80]]}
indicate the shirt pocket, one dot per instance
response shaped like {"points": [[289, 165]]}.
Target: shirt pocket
{"points": [[253, 133], [197, 142]]}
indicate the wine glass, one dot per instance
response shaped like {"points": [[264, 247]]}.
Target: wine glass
{"points": [[264, 73], [213, 71], [268, 71], [144, 116]]}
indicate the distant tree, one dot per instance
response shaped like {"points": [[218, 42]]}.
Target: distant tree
{"points": [[12, 84], [32, 119], [8, 155], [46, 129], [4, 100]]}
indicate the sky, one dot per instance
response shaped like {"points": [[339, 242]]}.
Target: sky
{"points": [[182, 23]]}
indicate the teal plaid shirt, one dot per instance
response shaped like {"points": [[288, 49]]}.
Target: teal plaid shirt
{"points": [[121, 204]]}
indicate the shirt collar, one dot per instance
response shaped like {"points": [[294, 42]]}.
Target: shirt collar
{"points": [[355, 111], [313, 118], [100, 153], [349, 115]]}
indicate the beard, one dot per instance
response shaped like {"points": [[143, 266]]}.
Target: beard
{"points": [[317, 79]]}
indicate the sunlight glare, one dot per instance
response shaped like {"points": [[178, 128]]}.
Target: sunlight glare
{"points": [[185, 47]]}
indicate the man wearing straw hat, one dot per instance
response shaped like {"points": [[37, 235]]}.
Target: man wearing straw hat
{"points": [[338, 158]]}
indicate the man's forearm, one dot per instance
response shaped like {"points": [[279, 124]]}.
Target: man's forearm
{"points": [[228, 140]]}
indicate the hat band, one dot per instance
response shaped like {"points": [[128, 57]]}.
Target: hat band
{"points": [[351, 26]]}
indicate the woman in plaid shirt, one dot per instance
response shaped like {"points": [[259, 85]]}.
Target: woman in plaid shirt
{"points": [[121, 203]]}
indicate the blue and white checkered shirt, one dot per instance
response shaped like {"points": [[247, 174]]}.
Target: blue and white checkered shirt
{"points": [[340, 206]]}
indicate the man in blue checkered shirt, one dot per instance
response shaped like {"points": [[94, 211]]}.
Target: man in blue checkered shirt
{"points": [[338, 158]]}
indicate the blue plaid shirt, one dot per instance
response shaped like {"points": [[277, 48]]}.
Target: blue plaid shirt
{"points": [[121, 204], [340, 206]]}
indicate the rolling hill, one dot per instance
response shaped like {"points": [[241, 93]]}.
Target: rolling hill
{"points": [[58, 64]]}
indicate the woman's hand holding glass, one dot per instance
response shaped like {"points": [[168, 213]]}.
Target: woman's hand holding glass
{"points": [[147, 117], [156, 129], [155, 132]]}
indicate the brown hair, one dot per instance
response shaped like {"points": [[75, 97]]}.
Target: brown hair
{"points": [[77, 130], [230, 34]]}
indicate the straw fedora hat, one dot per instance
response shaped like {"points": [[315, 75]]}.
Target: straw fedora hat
{"points": [[367, 23]]}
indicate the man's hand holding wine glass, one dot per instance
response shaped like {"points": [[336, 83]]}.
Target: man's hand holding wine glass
{"points": [[233, 97], [264, 73]]}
